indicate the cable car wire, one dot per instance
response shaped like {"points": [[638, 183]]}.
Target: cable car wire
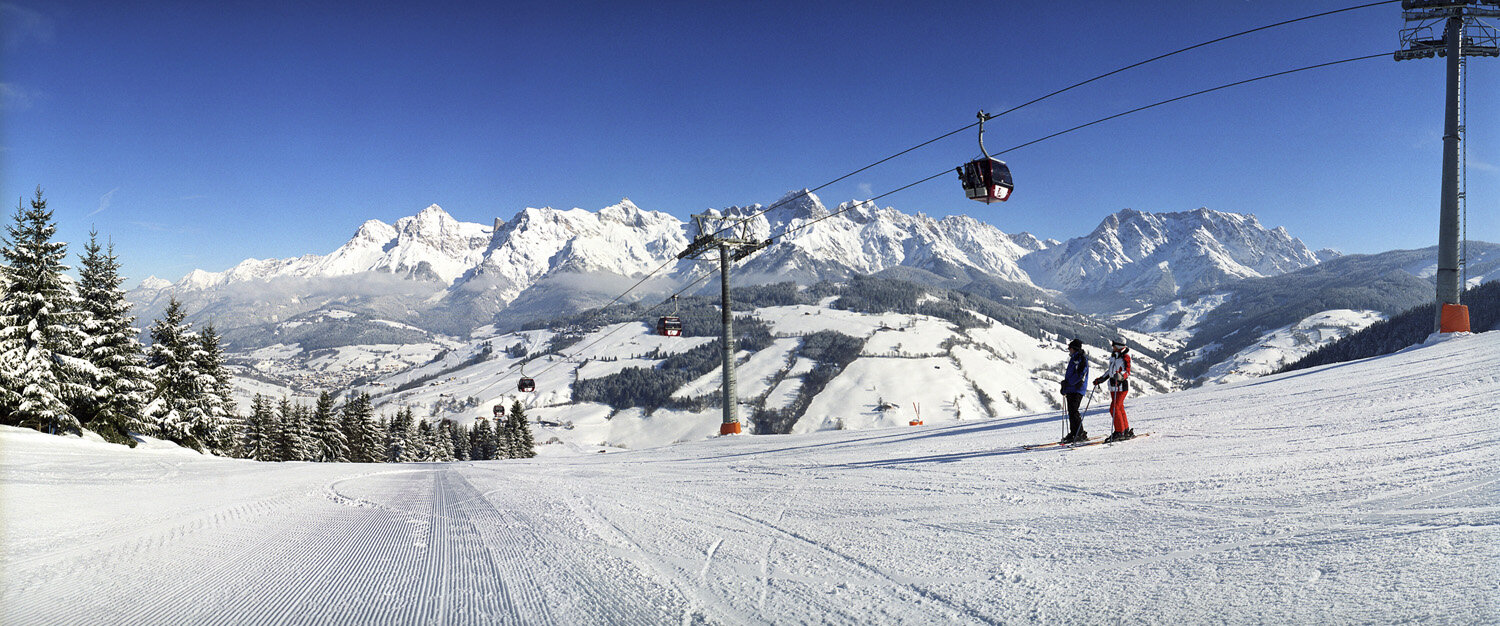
{"points": [[646, 313], [1182, 50], [567, 358], [945, 172], [1080, 84], [1196, 93]]}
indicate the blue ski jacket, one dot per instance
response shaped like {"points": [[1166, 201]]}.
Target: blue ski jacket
{"points": [[1076, 380]]}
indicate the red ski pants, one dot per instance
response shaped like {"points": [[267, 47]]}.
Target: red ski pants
{"points": [[1117, 410]]}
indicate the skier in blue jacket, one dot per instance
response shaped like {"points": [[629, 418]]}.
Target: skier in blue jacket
{"points": [[1074, 385]]}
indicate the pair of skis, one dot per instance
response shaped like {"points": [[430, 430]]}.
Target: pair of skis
{"points": [[1092, 441]]}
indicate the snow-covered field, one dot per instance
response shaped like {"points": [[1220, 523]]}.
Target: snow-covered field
{"points": [[1354, 493], [907, 362]]}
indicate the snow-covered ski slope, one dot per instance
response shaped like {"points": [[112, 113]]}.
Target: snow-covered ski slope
{"points": [[1356, 493]]}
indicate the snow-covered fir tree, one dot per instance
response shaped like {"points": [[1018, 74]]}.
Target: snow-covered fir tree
{"points": [[518, 441], [476, 443], [258, 434], [292, 436], [329, 442], [460, 444], [400, 433], [411, 437], [483, 444], [122, 385], [364, 434], [380, 434], [215, 392], [426, 442], [173, 357], [445, 440], [43, 375]]}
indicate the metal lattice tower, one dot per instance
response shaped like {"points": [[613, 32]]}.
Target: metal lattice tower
{"points": [[1462, 35], [739, 244]]}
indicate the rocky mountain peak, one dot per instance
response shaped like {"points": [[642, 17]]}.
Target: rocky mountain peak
{"points": [[430, 222], [1135, 257], [803, 204], [375, 231]]}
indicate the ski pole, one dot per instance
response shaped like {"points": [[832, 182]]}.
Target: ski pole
{"points": [[1065, 416]]}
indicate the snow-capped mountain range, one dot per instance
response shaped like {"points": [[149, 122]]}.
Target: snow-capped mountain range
{"points": [[1132, 258], [433, 246]]}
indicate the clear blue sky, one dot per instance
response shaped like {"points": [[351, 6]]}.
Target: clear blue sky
{"points": [[198, 134]]}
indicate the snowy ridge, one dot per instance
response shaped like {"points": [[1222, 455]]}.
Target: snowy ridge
{"points": [[430, 245], [1135, 257], [1252, 502], [621, 239], [865, 239], [625, 240], [448, 277]]}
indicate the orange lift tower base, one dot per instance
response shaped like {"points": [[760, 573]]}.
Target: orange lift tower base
{"points": [[1455, 319]]}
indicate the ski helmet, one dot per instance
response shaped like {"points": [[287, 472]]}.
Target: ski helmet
{"points": [[1118, 341], [1076, 344]]}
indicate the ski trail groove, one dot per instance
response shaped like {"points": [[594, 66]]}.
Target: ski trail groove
{"points": [[494, 539], [709, 559]]}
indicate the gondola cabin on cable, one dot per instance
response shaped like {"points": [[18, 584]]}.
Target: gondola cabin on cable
{"points": [[669, 326], [986, 179], [526, 385]]}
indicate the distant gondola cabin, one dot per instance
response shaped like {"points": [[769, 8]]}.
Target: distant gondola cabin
{"points": [[669, 326], [526, 385]]}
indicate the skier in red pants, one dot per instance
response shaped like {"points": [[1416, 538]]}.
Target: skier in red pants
{"points": [[1118, 375]]}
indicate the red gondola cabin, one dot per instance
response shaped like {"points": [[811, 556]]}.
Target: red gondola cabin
{"points": [[986, 180], [669, 326], [526, 385]]}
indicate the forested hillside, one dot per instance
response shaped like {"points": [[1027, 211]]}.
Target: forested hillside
{"points": [[1381, 282], [1405, 330]]}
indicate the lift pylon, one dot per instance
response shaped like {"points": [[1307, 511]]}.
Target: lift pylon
{"points": [[1462, 35], [739, 244]]}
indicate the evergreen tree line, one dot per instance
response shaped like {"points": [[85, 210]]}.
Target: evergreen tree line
{"points": [[1010, 304], [352, 433], [832, 351], [70, 357], [652, 387]]}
